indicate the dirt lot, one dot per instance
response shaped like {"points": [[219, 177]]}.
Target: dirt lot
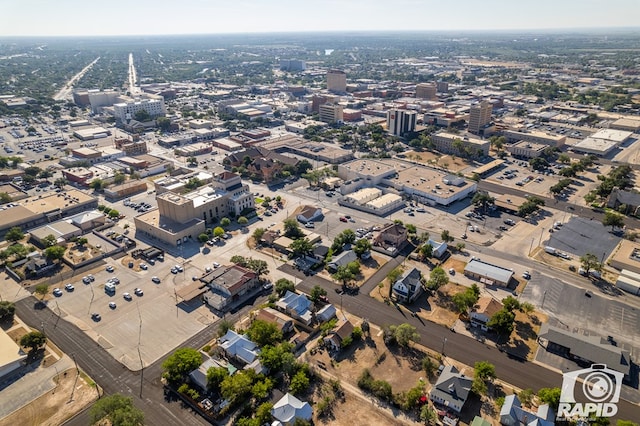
{"points": [[523, 337], [367, 268], [449, 162], [54, 407]]}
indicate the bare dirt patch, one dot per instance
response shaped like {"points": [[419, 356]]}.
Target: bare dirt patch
{"points": [[523, 339], [457, 265], [449, 162], [56, 406]]}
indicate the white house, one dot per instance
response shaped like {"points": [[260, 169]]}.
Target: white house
{"points": [[289, 408], [408, 287]]}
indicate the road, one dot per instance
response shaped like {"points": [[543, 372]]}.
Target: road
{"points": [[133, 77], [440, 339], [65, 92]]}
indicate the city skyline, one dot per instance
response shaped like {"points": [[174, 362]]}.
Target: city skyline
{"points": [[145, 17]]}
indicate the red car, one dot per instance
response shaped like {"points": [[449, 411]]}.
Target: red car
{"points": [[343, 219]]}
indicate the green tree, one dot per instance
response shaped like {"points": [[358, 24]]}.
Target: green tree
{"points": [[242, 221], [428, 415], [261, 388], [404, 334], [362, 246], [238, 386], [590, 262], [42, 290], [163, 123], [613, 219], [82, 241], [278, 358], [7, 311], [446, 236], [292, 229], [180, 363], [118, 409], [97, 184], [5, 198], [344, 275], [119, 178], [502, 321], [437, 279], [301, 247], [113, 213], [263, 413], [142, 116], [550, 396], [33, 340], [526, 397], [426, 251], [49, 240], [484, 370], [478, 386], [483, 200], [510, 303], [258, 233], [14, 234], [316, 293], [264, 333], [429, 366], [225, 222], [258, 266], [218, 232], [299, 383], [283, 285], [203, 238], [55, 252], [61, 182], [394, 275], [215, 376]]}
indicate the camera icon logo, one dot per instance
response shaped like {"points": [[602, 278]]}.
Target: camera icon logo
{"points": [[590, 392]]}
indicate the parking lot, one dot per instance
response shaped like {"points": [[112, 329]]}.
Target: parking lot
{"points": [[144, 317]]}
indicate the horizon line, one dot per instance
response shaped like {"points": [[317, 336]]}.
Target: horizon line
{"points": [[360, 31]]}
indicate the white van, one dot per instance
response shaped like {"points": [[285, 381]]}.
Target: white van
{"points": [[110, 287]]}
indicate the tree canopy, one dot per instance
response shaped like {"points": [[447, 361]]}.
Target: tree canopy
{"points": [[118, 409], [181, 363]]}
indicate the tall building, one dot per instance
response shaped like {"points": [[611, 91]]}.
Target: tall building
{"points": [[426, 91], [400, 121], [292, 65], [479, 116], [442, 86], [330, 113], [336, 81], [127, 110]]}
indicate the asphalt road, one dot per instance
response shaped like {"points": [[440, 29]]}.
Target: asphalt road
{"points": [[438, 338]]}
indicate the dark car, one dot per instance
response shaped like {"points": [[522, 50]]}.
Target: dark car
{"points": [[96, 316]]}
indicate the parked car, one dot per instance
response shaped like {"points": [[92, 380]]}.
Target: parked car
{"points": [[126, 296], [112, 305], [57, 292], [69, 287], [526, 275], [110, 268], [138, 292], [144, 266], [96, 316], [155, 280]]}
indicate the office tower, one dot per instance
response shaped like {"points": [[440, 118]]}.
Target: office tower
{"points": [[479, 116], [400, 122], [336, 81]]}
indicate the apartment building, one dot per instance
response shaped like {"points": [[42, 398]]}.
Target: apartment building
{"points": [[337, 81], [330, 113], [450, 143], [400, 122], [125, 111], [479, 117]]}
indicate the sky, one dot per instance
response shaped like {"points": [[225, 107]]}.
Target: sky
{"points": [[149, 17]]}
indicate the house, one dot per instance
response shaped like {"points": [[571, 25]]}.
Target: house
{"points": [[618, 197], [238, 346], [483, 311], [584, 349], [408, 287], [334, 339], [320, 252], [310, 214], [37, 264], [296, 305], [199, 375], [439, 248], [289, 408], [342, 259], [326, 313], [391, 239], [451, 390], [512, 414], [283, 322]]}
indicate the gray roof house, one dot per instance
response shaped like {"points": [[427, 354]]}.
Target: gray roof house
{"points": [[586, 349], [439, 248], [240, 347], [310, 214], [451, 390], [296, 305], [512, 414], [289, 408], [342, 259], [488, 273], [408, 287]]}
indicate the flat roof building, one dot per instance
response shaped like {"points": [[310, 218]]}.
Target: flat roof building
{"points": [[337, 81], [602, 142], [488, 273], [526, 149], [451, 143], [11, 355], [535, 137], [401, 122]]}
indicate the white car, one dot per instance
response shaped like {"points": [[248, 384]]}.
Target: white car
{"points": [[126, 296], [110, 268], [144, 266], [112, 305], [216, 265], [69, 287], [57, 292], [138, 292], [526, 275]]}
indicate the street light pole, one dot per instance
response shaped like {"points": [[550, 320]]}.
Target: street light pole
{"points": [[444, 341], [544, 296]]}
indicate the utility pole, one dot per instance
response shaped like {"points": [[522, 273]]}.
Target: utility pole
{"points": [[140, 355]]}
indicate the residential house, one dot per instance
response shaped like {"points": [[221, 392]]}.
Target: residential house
{"points": [[483, 311], [391, 239], [342, 259], [283, 322], [238, 346], [451, 390], [310, 214], [289, 408], [326, 313], [439, 248], [512, 414], [228, 285], [199, 375], [335, 338], [408, 287], [296, 305], [630, 200]]}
